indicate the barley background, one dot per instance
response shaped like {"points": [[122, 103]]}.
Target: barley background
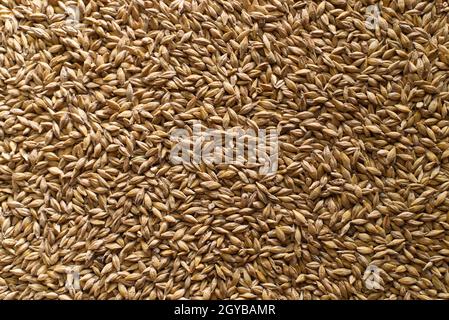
{"points": [[87, 105]]}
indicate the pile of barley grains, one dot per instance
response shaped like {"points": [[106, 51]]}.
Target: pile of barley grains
{"points": [[92, 207]]}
